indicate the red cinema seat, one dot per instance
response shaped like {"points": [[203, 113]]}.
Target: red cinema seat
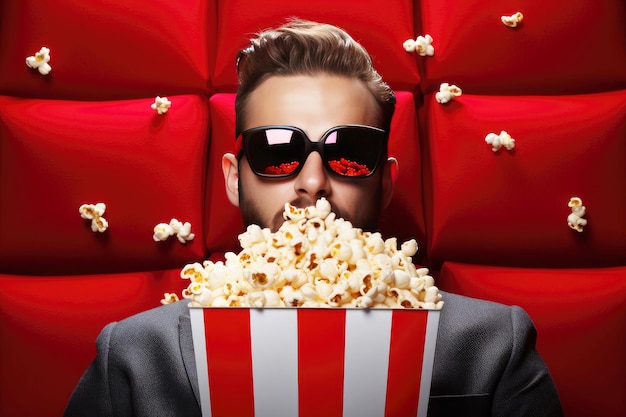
{"points": [[146, 168], [48, 328]]}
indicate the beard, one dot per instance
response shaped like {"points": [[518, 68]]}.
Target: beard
{"points": [[366, 215], [251, 214]]}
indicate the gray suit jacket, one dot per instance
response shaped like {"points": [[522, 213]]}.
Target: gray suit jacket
{"points": [[485, 365]]}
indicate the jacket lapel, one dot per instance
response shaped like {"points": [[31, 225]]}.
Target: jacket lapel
{"points": [[187, 352]]}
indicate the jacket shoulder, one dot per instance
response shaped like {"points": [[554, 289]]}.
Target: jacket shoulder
{"points": [[475, 341]]}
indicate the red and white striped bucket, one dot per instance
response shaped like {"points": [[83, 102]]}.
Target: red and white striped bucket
{"points": [[301, 362]]}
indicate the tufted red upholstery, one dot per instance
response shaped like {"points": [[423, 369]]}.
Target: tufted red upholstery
{"points": [[489, 224], [147, 169], [507, 208], [559, 48], [49, 325], [105, 49]]}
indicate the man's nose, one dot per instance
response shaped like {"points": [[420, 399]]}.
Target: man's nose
{"points": [[313, 179]]}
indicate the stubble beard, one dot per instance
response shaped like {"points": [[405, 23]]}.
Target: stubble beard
{"points": [[365, 217]]}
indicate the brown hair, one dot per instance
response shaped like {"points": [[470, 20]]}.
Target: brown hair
{"points": [[302, 47]]}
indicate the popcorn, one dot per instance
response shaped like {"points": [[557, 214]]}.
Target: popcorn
{"points": [[169, 298], [575, 219], [447, 92], [161, 105], [314, 260], [163, 231], [422, 45], [182, 230], [513, 20], [94, 213], [409, 45], [498, 141], [40, 61]]}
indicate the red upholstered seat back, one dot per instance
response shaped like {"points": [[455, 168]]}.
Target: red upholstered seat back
{"points": [[511, 207], [58, 155]]}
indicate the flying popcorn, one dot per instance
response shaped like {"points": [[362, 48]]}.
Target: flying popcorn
{"points": [[575, 219], [163, 231], [513, 20], [314, 260], [409, 45], [182, 230], [498, 141], [161, 105], [447, 92], [94, 212], [169, 298], [40, 61], [422, 45]]}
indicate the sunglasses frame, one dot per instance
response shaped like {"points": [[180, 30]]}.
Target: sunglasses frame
{"points": [[310, 146]]}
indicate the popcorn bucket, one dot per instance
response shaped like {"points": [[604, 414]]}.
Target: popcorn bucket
{"points": [[311, 362]]}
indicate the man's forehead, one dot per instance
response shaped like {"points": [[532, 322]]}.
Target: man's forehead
{"points": [[314, 103]]}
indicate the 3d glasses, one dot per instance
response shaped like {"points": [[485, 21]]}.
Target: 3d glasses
{"points": [[281, 151]]}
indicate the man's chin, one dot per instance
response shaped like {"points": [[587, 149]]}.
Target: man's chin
{"points": [[250, 216]]}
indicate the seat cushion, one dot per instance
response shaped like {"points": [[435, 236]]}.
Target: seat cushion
{"points": [[57, 155], [103, 50], [49, 325], [510, 207], [560, 47]]}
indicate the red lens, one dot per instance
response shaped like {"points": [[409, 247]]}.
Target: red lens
{"points": [[349, 168], [285, 168]]}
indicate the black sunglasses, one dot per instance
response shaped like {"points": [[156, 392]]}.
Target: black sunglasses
{"points": [[280, 151]]}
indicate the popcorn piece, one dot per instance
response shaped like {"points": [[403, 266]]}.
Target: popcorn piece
{"points": [[94, 213], [409, 248], [513, 20], [169, 298], [447, 92], [409, 45], [422, 45], [161, 105], [182, 230], [40, 61], [498, 141], [575, 219], [314, 260], [163, 231]]}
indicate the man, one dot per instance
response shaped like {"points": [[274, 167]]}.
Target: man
{"points": [[312, 121]]}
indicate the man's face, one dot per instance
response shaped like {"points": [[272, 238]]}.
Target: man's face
{"points": [[314, 104]]}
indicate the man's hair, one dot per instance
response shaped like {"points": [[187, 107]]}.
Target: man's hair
{"points": [[302, 47]]}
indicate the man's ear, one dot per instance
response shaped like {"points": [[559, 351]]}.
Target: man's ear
{"points": [[230, 169], [390, 174]]}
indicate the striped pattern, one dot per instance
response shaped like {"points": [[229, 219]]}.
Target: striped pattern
{"points": [[312, 362]]}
